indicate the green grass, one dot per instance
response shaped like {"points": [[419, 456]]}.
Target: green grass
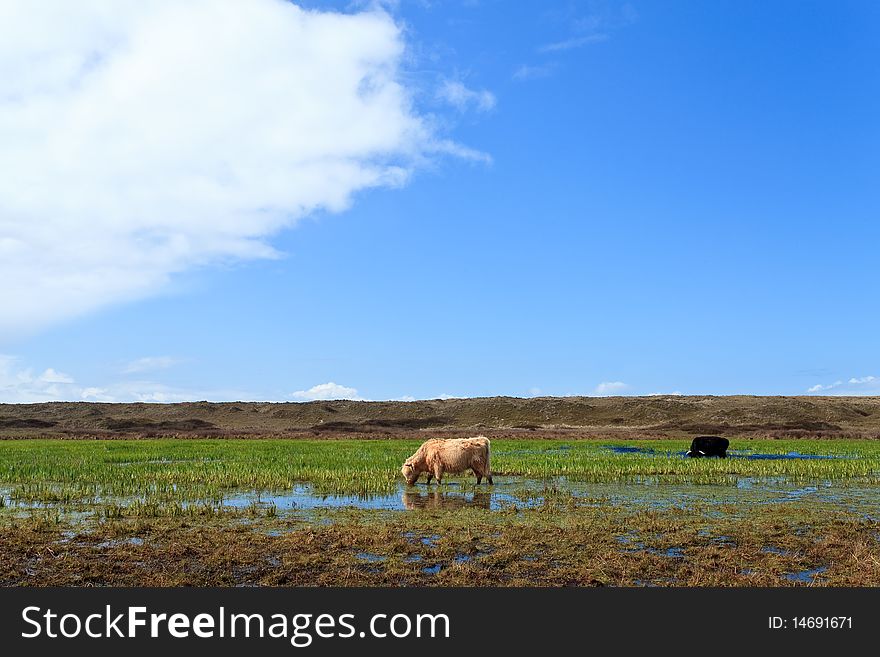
{"points": [[168, 471], [91, 497]]}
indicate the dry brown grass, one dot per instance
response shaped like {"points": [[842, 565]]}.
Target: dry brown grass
{"points": [[550, 417], [559, 545]]}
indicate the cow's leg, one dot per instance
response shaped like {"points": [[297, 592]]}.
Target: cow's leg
{"points": [[479, 479], [438, 473], [489, 476], [430, 477]]}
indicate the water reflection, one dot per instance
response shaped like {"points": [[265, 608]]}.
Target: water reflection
{"points": [[441, 500]]}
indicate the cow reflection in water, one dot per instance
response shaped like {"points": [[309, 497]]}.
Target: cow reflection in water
{"points": [[437, 500]]}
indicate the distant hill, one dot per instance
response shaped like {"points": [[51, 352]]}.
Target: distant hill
{"points": [[541, 417]]}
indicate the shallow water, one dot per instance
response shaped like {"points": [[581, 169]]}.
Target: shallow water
{"points": [[420, 497], [121, 541], [509, 492], [806, 576], [731, 454], [533, 493]]}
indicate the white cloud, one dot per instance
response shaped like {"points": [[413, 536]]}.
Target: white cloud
{"points": [[575, 42], [150, 364], [51, 376], [462, 98], [326, 391], [142, 139], [819, 387], [150, 391], [93, 394], [865, 385], [20, 385], [609, 388], [598, 26], [526, 72]]}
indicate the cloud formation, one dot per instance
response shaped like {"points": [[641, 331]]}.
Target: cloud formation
{"points": [[143, 139], [150, 364], [459, 96], [596, 27], [610, 388], [20, 384], [526, 72], [326, 391], [575, 42], [858, 386]]}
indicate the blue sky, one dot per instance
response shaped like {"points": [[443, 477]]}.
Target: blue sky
{"points": [[571, 198]]}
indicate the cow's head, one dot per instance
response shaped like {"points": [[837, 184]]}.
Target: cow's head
{"points": [[410, 472]]}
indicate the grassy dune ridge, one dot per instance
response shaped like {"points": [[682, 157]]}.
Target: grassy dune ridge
{"points": [[542, 417]]}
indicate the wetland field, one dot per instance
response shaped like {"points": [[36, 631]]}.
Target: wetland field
{"points": [[275, 512]]}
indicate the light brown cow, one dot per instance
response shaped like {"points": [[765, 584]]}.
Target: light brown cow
{"points": [[452, 455]]}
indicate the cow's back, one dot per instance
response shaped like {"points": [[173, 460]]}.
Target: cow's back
{"points": [[458, 454]]}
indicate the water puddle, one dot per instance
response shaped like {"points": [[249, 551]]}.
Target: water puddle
{"points": [[783, 457], [66, 536], [427, 541], [631, 541], [673, 552], [304, 498], [806, 576], [731, 454], [534, 493], [121, 541], [465, 558], [515, 492], [432, 570], [625, 449], [370, 557]]}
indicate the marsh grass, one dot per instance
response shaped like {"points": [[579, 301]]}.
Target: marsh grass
{"points": [[88, 499], [167, 474], [559, 543]]}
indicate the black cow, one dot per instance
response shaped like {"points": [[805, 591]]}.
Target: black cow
{"points": [[709, 446]]}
